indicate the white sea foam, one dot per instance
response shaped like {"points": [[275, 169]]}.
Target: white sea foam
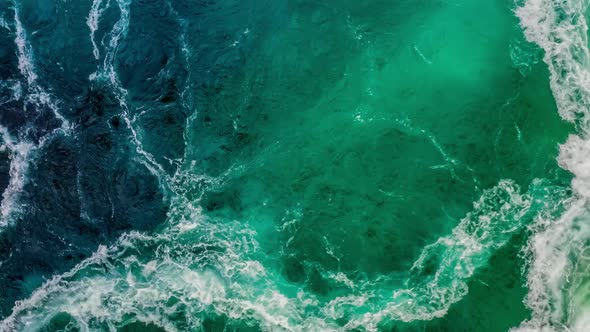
{"points": [[36, 94], [214, 266], [92, 21], [104, 289], [560, 28], [19, 156], [556, 267]]}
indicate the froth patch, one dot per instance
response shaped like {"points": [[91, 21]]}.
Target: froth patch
{"points": [[574, 157], [560, 29]]}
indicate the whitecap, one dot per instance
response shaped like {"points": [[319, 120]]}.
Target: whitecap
{"points": [[556, 269]]}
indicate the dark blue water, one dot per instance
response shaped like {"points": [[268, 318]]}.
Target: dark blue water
{"points": [[83, 176], [85, 181]]}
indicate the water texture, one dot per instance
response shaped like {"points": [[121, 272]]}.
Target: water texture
{"points": [[294, 165]]}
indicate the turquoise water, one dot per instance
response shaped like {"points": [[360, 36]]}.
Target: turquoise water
{"points": [[294, 165]]}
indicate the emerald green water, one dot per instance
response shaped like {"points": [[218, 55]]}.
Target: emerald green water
{"points": [[356, 148], [336, 165]]}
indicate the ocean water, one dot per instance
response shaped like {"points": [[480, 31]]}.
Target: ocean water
{"points": [[294, 165]]}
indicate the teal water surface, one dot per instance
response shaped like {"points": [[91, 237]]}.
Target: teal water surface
{"points": [[294, 165]]}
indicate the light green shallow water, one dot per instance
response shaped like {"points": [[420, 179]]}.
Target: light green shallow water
{"points": [[348, 165]]}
